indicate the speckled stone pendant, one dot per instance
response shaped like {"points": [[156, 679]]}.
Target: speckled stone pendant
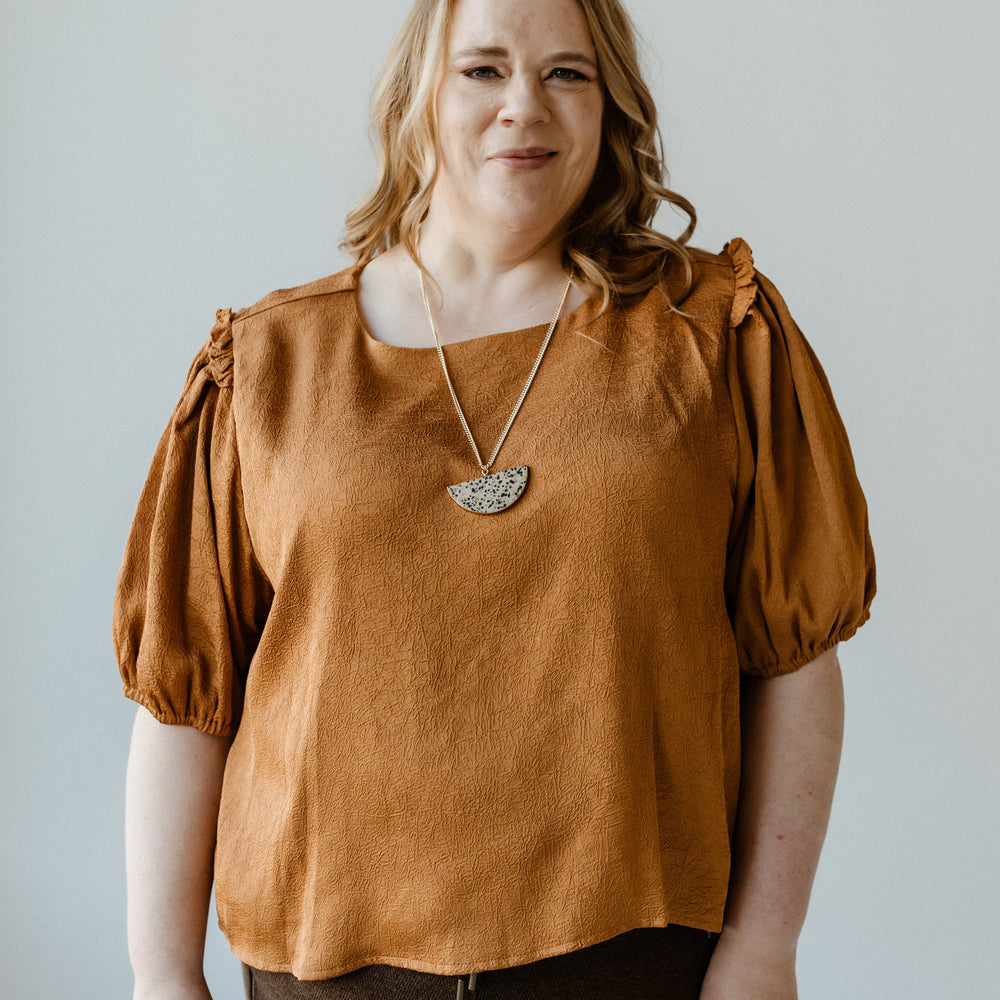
{"points": [[493, 493]]}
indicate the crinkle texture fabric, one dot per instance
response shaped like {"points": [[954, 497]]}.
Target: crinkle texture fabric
{"points": [[466, 742], [191, 600]]}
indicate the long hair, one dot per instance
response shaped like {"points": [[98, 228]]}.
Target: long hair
{"points": [[610, 242]]}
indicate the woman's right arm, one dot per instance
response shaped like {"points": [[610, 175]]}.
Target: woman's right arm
{"points": [[171, 809]]}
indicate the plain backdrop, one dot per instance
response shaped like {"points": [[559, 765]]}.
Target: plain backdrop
{"points": [[160, 160]]}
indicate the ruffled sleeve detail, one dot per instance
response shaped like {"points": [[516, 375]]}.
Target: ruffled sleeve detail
{"points": [[191, 599], [800, 573], [744, 279], [220, 349], [212, 366]]}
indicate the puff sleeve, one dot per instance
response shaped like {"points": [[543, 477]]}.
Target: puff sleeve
{"points": [[191, 601], [800, 572]]}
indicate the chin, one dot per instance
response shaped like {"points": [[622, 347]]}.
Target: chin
{"points": [[521, 218]]}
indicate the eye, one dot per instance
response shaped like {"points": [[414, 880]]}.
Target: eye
{"points": [[481, 73], [565, 73]]}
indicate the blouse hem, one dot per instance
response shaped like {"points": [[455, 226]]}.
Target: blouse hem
{"points": [[444, 969]]}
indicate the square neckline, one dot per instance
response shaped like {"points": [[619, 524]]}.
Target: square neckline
{"points": [[579, 317]]}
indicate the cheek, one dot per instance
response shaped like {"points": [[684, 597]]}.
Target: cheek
{"points": [[456, 115], [454, 144], [464, 132], [589, 150], [589, 131], [597, 130]]}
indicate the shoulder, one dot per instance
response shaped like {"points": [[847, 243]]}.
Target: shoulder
{"points": [[716, 287], [728, 274], [322, 288], [235, 332]]}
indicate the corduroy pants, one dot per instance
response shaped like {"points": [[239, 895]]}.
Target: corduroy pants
{"points": [[648, 963]]}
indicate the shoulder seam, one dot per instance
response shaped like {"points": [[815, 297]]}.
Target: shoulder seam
{"points": [[707, 257], [250, 311], [342, 281]]}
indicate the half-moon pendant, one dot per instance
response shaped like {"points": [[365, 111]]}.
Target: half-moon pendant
{"points": [[493, 493]]}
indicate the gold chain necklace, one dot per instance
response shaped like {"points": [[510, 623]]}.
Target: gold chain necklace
{"points": [[491, 492]]}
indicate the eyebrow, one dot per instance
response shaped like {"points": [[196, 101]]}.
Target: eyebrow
{"points": [[496, 51]]}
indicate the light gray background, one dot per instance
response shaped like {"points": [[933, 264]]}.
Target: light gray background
{"points": [[163, 159]]}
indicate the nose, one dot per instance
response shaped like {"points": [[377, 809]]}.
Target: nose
{"points": [[523, 101]]}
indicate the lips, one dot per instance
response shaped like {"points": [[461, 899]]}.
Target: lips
{"points": [[524, 153], [525, 157]]}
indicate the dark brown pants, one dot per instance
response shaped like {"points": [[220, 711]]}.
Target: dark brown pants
{"points": [[649, 963]]}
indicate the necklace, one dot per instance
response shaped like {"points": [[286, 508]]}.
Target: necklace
{"points": [[496, 491]]}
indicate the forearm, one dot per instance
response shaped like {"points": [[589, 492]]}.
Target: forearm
{"points": [[792, 734], [172, 803]]}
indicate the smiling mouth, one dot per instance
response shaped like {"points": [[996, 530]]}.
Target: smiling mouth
{"points": [[525, 159], [523, 153]]}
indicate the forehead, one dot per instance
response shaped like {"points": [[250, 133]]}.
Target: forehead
{"points": [[536, 24]]}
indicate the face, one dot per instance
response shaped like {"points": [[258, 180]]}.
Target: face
{"points": [[519, 111]]}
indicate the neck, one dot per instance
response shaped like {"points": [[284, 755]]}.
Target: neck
{"points": [[484, 261], [486, 281]]}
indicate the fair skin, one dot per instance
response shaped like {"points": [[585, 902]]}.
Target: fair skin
{"points": [[518, 76], [792, 729], [172, 794]]}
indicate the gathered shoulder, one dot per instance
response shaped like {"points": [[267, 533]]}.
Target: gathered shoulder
{"points": [[219, 349], [216, 357], [744, 279], [723, 282]]}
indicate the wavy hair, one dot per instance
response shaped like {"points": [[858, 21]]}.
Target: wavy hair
{"points": [[610, 242]]}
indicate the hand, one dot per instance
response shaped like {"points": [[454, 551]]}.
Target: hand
{"points": [[742, 970]]}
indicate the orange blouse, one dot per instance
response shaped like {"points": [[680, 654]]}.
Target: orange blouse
{"points": [[464, 741]]}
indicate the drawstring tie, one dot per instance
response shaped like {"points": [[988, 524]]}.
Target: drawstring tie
{"points": [[461, 986]]}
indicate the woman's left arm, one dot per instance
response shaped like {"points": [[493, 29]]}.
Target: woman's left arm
{"points": [[792, 732]]}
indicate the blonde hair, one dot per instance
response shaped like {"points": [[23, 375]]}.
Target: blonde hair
{"points": [[610, 243]]}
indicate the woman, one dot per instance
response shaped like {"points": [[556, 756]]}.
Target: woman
{"points": [[456, 637]]}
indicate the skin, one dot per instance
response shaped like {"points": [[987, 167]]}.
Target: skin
{"points": [[792, 729], [492, 240], [493, 234], [172, 794], [519, 75]]}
